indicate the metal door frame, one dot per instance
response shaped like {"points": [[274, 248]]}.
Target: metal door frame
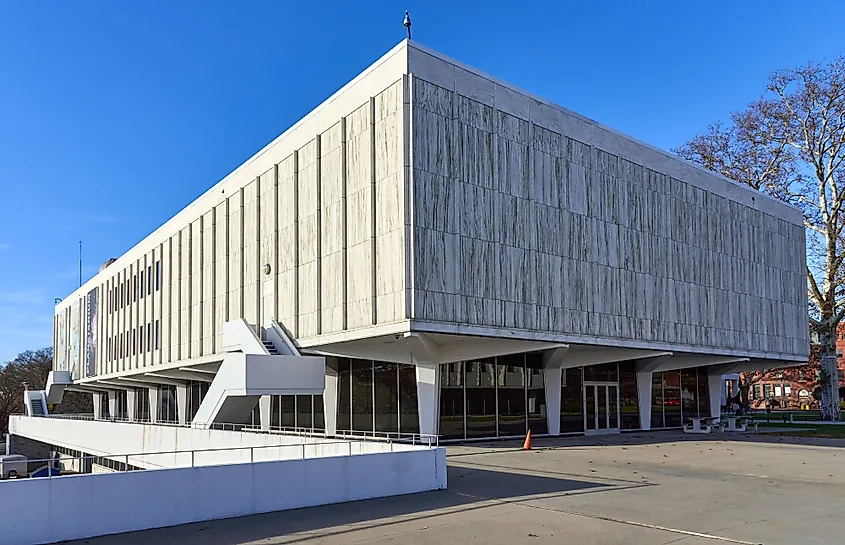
{"points": [[600, 384]]}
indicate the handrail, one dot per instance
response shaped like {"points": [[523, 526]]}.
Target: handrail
{"points": [[379, 436]]}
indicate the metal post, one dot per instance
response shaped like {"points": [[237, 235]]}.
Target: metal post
{"points": [[252, 455], [192, 458], [126, 466], [303, 451]]}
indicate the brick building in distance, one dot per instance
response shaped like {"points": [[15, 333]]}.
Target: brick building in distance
{"points": [[794, 388]]}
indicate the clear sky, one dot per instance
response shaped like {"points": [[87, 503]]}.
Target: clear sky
{"points": [[115, 115]]}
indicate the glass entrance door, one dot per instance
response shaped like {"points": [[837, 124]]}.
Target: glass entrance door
{"points": [[601, 407]]}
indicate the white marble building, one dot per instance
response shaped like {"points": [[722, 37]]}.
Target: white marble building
{"points": [[470, 260]]}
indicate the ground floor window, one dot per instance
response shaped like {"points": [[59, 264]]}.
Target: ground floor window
{"points": [[104, 406], [493, 397], [122, 408], [142, 404], [166, 404], [297, 411], [677, 396], [195, 393], [571, 401], [375, 396], [628, 402]]}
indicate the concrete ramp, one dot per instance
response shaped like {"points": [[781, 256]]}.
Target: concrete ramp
{"points": [[243, 378]]}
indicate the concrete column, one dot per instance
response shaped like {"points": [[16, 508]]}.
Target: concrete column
{"points": [[130, 405], [552, 382], [330, 397], [96, 403], [714, 387], [644, 381], [112, 404], [152, 392], [552, 370], [428, 397], [182, 404], [264, 405]]}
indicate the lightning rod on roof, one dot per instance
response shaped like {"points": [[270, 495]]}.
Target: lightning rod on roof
{"points": [[407, 23]]}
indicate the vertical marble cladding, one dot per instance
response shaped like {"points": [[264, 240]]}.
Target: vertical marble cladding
{"points": [[518, 225], [341, 258]]}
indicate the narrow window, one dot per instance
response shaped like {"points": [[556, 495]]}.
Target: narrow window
{"points": [[158, 335], [142, 284], [140, 339], [158, 275], [149, 279], [135, 288], [149, 338], [134, 341]]}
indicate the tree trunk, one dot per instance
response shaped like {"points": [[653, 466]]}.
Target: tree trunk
{"points": [[744, 398], [829, 376]]}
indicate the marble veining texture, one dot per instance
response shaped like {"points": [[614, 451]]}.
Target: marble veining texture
{"points": [[519, 225]]}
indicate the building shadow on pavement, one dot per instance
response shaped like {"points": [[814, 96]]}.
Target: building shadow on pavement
{"points": [[470, 489]]}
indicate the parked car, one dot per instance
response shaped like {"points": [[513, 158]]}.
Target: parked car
{"points": [[12, 466]]}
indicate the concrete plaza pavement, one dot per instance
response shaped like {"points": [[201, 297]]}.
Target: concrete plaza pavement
{"points": [[632, 489]]}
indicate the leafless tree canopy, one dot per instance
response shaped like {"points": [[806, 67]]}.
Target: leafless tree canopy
{"points": [[791, 144], [31, 368]]}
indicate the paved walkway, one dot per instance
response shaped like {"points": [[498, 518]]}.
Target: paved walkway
{"points": [[638, 489]]}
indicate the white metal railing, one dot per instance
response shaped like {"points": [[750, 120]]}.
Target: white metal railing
{"points": [[412, 438], [142, 457]]}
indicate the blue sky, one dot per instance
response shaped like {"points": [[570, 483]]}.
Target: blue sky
{"points": [[115, 115]]}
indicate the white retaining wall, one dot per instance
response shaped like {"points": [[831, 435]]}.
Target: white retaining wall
{"points": [[81, 506]]}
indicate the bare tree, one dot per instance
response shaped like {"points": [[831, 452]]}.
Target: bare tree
{"points": [[29, 370], [791, 145], [804, 374]]}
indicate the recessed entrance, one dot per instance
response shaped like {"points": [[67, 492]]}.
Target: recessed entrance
{"points": [[601, 407]]}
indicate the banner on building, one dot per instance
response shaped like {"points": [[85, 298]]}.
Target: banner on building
{"points": [[91, 338]]}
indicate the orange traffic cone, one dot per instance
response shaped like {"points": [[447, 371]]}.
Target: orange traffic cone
{"points": [[527, 444]]}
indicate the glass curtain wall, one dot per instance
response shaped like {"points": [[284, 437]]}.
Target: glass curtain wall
{"points": [[386, 395], [166, 404], [536, 394], [362, 395], [122, 406], [142, 404], [657, 400], [571, 401], [493, 397], [375, 396], [689, 393], [677, 396], [452, 400], [297, 411], [104, 406], [628, 395], [671, 398], [510, 377], [480, 398], [409, 420], [703, 392], [195, 393]]}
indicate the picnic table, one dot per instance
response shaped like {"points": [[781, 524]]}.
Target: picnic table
{"points": [[700, 424], [738, 423]]}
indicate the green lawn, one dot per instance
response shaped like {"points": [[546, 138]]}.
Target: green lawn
{"points": [[807, 430]]}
